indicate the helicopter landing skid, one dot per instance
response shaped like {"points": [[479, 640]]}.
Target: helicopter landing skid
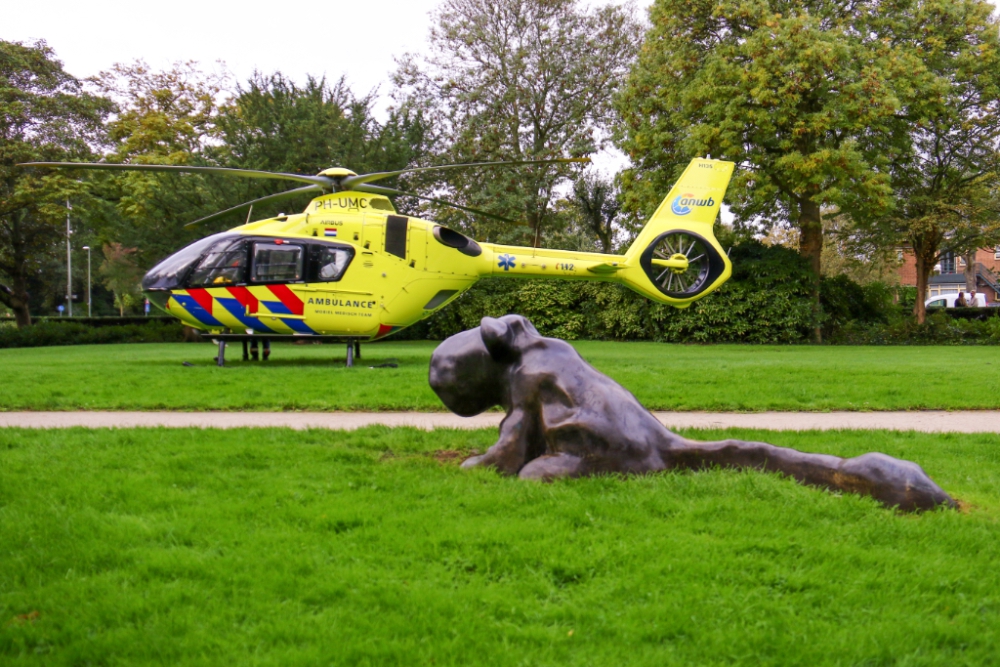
{"points": [[353, 344]]}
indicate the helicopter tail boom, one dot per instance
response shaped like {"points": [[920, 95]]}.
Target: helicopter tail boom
{"points": [[676, 258]]}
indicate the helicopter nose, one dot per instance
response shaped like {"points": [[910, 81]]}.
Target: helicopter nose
{"points": [[158, 298]]}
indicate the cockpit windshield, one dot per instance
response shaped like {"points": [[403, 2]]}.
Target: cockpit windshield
{"points": [[169, 273], [227, 259]]}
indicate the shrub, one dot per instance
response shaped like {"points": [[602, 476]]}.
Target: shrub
{"points": [[766, 301], [73, 333]]}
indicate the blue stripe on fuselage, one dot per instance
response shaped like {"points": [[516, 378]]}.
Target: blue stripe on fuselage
{"points": [[281, 309], [196, 311], [238, 310]]}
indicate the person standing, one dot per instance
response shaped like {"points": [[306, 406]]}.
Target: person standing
{"points": [[253, 349]]}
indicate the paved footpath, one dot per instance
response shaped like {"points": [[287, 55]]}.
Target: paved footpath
{"points": [[978, 421]]}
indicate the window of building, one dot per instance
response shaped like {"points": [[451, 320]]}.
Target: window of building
{"points": [[899, 254], [277, 263], [948, 263], [996, 252]]}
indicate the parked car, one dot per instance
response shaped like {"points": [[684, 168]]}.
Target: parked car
{"points": [[948, 300]]}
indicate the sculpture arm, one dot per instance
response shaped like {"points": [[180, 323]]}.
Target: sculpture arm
{"points": [[891, 481], [513, 449]]}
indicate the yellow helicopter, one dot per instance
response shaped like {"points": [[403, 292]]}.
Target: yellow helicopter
{"points": [[350, 267]]}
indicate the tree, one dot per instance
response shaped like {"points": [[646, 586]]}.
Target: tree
{"points": [[801, 95], [518, 80], [45, 115], [947, 182], [165, 117], [273, 124], [121, 274], [596, 200]]}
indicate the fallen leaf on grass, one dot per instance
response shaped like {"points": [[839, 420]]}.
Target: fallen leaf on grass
{"points": [[21, 619], [448, 455]]}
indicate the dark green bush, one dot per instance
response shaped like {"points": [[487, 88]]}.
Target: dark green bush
{"points": [[108, 321], [73, 333], [766, 301], [939, 329], [844, 301]]}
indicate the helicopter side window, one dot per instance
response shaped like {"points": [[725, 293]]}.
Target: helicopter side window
{"points": [[220, 268], [277, 263], [328, 263]]}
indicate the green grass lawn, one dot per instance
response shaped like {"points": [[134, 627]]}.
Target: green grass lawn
{"points": [[667, 377], [274, 547]]}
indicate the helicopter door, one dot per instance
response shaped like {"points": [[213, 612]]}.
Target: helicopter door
{"points": [[278, 270]]}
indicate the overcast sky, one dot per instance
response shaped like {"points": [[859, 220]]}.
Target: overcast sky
{"points": [[358, 39]]}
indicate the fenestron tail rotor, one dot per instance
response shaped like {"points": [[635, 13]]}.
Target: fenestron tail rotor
{"points": [[682, 264], [330, 180]]}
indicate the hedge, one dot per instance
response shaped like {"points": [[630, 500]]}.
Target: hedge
{"points": [[73, 333], [767, 300]]}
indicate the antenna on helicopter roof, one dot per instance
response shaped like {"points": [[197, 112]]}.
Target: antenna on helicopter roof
{"points": [[249, 213]]}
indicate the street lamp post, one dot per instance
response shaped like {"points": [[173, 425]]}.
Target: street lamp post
{"points": [[87, 248], [69, 264]]}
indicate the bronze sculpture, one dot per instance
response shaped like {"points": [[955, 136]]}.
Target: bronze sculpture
{"points": [[566, 419]]}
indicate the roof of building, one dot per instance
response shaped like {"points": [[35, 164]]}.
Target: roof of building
{"points": [[948, 279]]}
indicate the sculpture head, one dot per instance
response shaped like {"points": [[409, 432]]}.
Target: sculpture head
{"points": [[469, 370]]}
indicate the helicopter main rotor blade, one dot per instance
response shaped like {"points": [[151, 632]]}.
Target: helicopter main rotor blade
{"points": [[350, 182], [287, 194], [324, 181], [381, 190]]}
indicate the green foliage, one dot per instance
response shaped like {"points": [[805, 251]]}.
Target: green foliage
{"points": [[45, 115], [278, 547], [947, 180], [597, 203], [846, 301], [766, 301], [937, 329], [798, 95], [518, 80], [273, 124], [907, 297], [165, 117], [48, 333], [121, 275]]}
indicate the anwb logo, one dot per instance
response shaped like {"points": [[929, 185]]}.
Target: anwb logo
{"points": [[683, 203]]}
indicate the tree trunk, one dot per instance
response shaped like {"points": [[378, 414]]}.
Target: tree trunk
{"points": [[17, 300], [924, 267], [605, 238], [811, 248], [970, 272]]}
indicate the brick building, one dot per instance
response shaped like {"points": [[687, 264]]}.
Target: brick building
{"points": [[949, 275]]}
